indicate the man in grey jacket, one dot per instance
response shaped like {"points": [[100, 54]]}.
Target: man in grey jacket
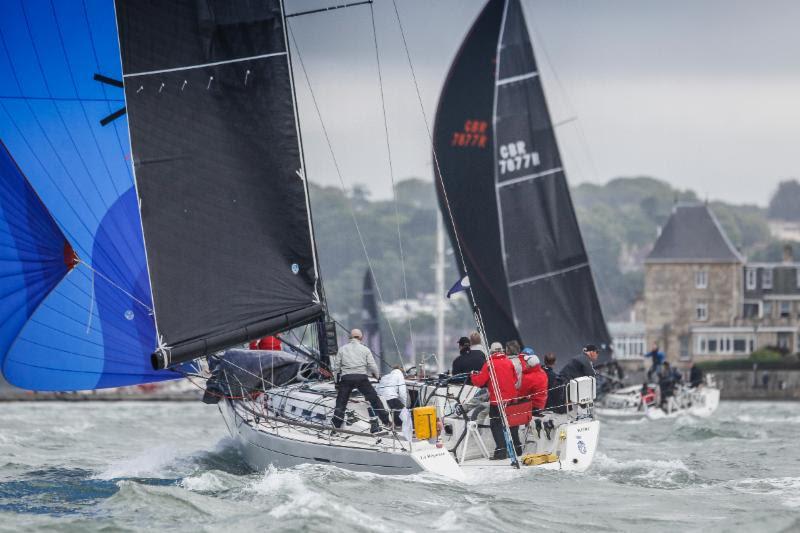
{"points": [[352, 366]]}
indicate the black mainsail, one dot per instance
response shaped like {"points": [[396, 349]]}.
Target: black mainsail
{"points": [[499, 164], [219, 172]]}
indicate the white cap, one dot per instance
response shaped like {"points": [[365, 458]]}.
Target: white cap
{"points": [[532, 360], [496, 347]]}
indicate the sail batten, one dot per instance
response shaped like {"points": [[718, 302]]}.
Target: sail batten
{"points": [[203, 65], [528, 266]]}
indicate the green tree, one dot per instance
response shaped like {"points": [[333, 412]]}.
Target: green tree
{"points": [[785, 203]]}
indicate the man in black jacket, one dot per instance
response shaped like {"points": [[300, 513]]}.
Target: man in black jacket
{"points": [[581, 365], [472, 355]]}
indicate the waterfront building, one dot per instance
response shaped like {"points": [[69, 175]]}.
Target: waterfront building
{"points": [[704, 300]]}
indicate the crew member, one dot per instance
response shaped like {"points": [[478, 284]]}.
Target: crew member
{"points": [[670, 378], [553, 392], [392, 388], [512, 352], [658, 359], [581, 365], [534, 383], [695, 376], [506, 378], [469, 359], [351, 367]]}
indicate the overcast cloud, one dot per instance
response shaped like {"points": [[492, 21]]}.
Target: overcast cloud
{"points": [[703, 94]]}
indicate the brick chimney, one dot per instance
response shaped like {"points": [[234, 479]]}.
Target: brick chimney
{"points": [[788, 256]]}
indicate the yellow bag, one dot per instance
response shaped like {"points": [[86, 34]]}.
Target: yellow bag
{"points": [[425, 422], [535, 459]]}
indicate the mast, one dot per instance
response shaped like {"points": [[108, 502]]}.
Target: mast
{"points": [[440, 288]]}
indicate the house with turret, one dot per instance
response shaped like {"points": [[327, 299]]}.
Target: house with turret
{"points": [[704, 301]]}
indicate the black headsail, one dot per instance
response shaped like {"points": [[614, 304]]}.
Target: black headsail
{"points": [[503, 174], [370, 319], [218, 169]]}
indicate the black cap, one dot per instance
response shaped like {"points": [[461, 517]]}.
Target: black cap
{"points": [[464, 341], [590, 348]]}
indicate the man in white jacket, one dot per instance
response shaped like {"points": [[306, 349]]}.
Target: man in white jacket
{"points": [[352, 366], [392, 388]]}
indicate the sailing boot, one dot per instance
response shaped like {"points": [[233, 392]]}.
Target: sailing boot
{"points": [[549, 426], [499, 454], [538, 424], [374, 427]]}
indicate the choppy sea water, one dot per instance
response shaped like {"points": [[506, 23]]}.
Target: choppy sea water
{"points": [[131, 466]]}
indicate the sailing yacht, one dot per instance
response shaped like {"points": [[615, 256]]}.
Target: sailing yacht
{"points": [[155, 217]]}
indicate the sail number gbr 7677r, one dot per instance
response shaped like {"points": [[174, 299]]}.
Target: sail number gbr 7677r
{"points": [[514, 156]]}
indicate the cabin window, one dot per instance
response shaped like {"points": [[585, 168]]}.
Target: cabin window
{"points": [[786, 309], [750, 310], [701, 311], [739, 345], [766, 278], [750, 277], [766, 310], [701, 279]]}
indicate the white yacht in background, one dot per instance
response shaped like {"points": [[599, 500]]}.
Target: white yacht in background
{"points": [[640, 401]]}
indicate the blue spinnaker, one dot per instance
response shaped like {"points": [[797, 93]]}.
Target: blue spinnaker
{"points": [[71, 188]]}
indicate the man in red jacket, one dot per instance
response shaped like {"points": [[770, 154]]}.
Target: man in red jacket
{"points": [[506, 377], [534, 382]]}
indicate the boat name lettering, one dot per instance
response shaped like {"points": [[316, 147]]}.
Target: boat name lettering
{"points": [[432, 455]]}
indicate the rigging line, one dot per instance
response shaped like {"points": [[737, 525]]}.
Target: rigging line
{"points": [[344, 187], [331, 8], [566, 97], [109, 280], [430, 138], [391, 172]]}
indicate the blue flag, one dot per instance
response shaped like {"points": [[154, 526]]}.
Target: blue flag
{"points": [[460, 285]]}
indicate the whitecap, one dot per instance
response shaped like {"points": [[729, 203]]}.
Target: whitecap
{"points": [[205, 482], [152, 463]]}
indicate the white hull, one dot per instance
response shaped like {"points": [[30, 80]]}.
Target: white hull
{"points": [[263, 441], [289, 448], [627, 404]]}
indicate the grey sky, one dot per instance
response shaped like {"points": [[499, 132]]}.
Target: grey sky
{"points": [[703, 94]]}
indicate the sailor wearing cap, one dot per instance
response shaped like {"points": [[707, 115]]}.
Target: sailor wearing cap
{"points": [[581, 365]]}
